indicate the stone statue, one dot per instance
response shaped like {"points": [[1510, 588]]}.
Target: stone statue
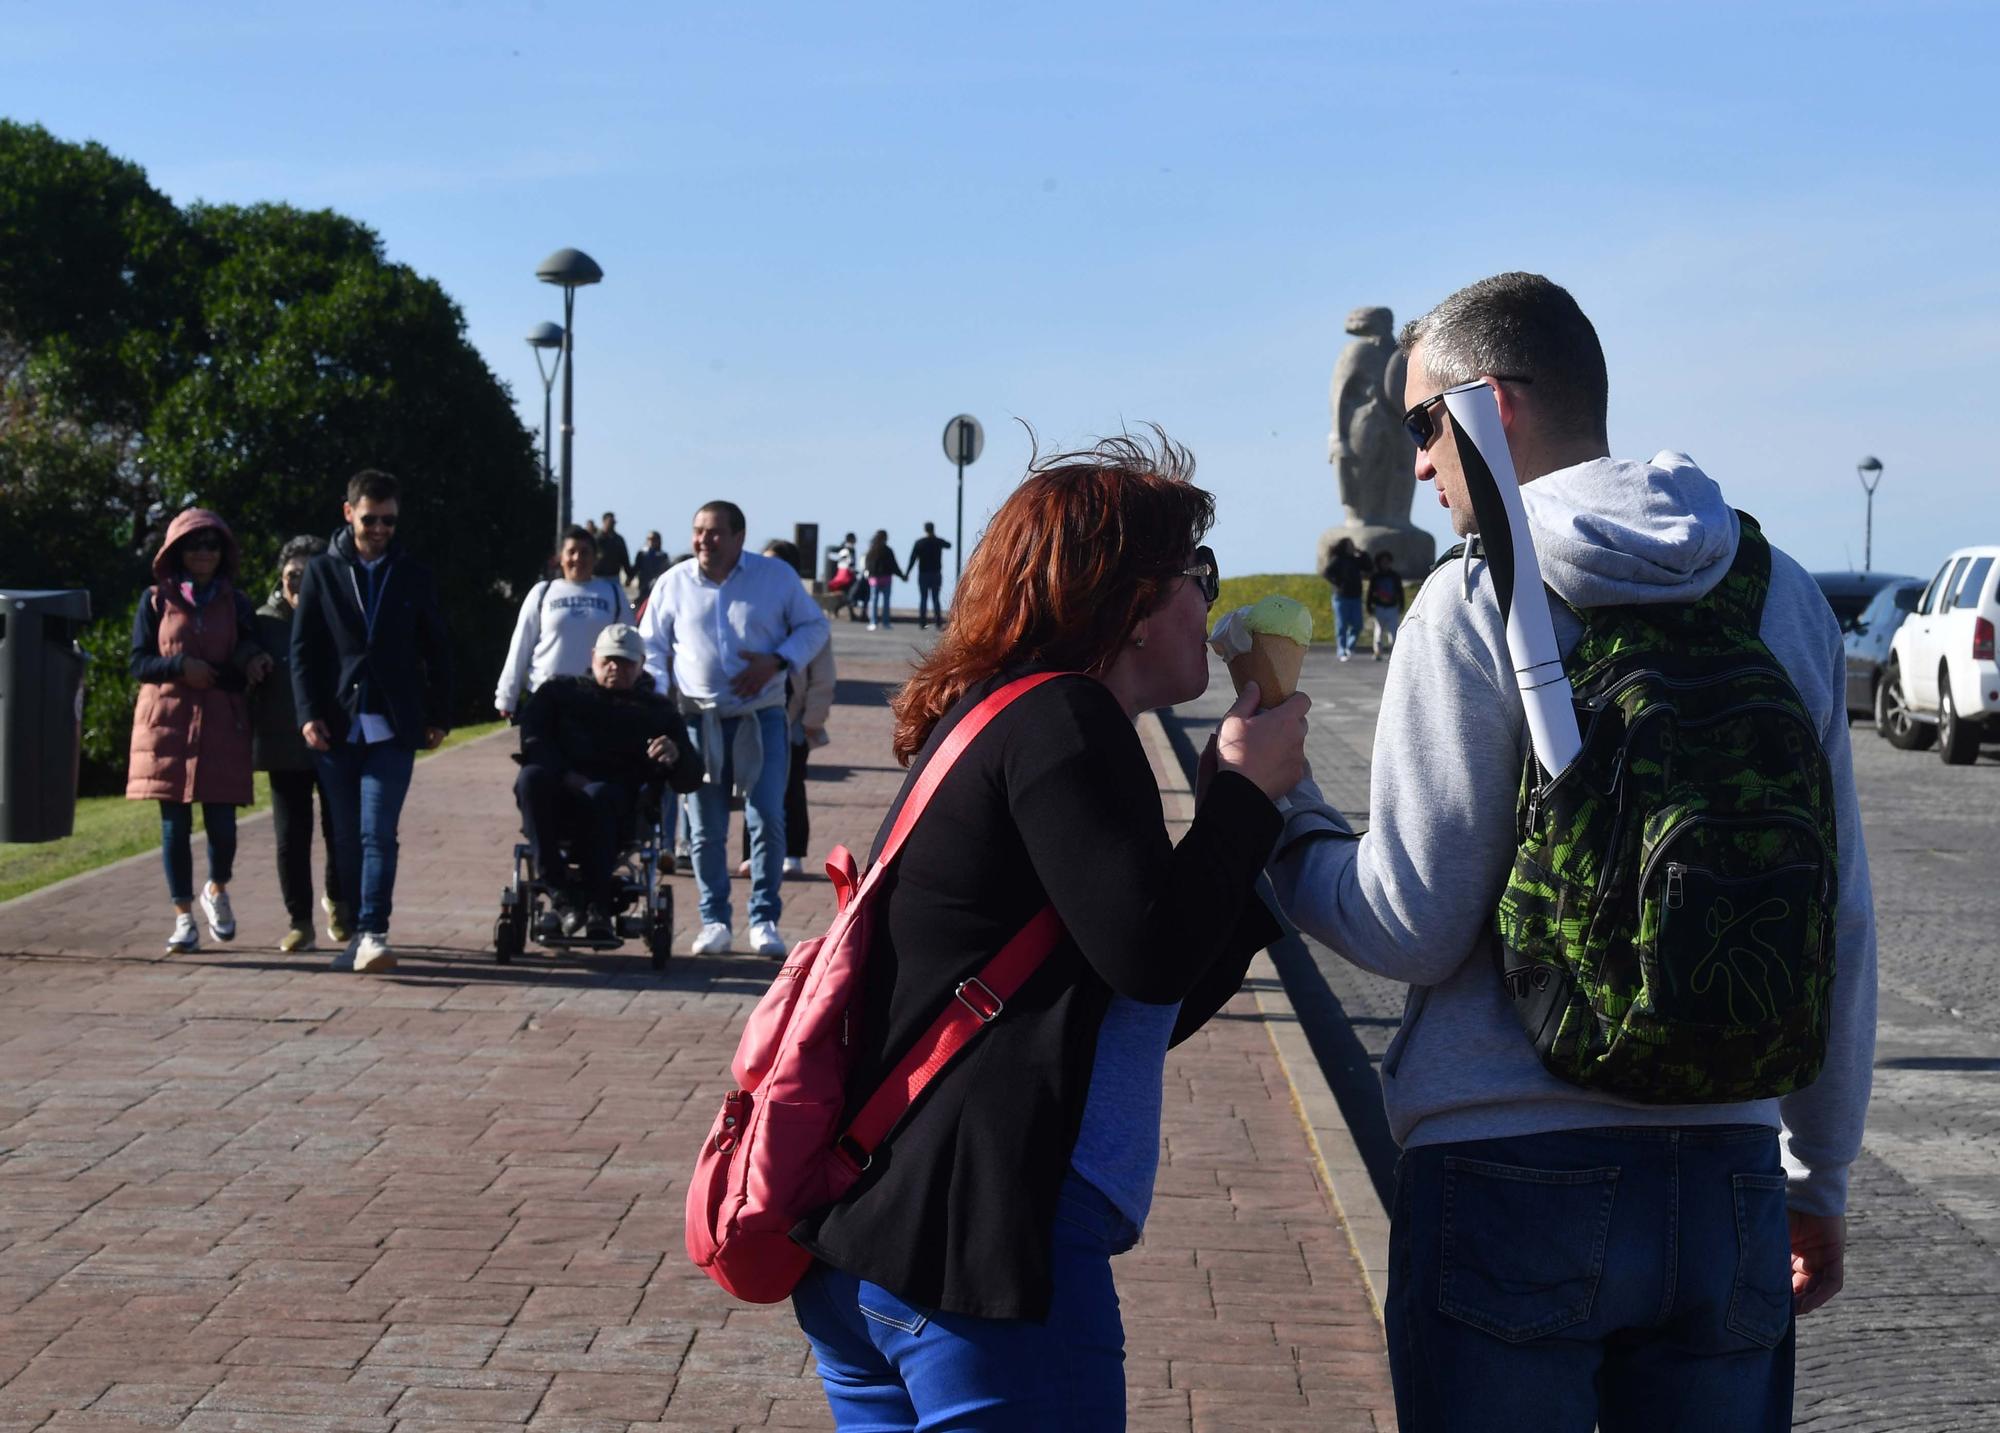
{"points": [[1373, 458]]}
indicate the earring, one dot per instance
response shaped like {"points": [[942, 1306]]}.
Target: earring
{"points": [[1138, 641]]}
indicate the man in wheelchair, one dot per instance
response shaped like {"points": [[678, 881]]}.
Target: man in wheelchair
{"points": [[589, 746]]}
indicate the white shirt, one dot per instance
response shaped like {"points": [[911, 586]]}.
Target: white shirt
{"points": [[699, 633], [555, 633]]}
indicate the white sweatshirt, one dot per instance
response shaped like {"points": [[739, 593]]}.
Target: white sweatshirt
{"points": [[558, 625]]}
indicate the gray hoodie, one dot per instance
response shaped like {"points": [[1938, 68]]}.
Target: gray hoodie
{"points": [[1414, 898]]}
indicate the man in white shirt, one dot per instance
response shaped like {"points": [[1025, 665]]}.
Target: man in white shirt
{"points": [[559, 622], [722, 630]]}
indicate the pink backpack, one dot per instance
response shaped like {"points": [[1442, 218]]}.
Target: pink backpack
{"points": [[777, 1150]]}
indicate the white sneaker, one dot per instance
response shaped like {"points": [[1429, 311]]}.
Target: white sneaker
{"points": [[221, 919], [871, 626], [794, 866], [372, 955], [715, 939], [765, 940], [185, 937], [345, 960]]}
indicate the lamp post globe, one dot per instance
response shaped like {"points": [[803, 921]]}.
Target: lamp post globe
{"points": [[541, 337], [1870, 471], [570, 270]]}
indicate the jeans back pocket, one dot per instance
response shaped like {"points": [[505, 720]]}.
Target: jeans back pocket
{"points": [[877, 1303], [1760, 1307], [1523, 1249]]}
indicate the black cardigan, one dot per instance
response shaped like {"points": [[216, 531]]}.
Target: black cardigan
{"points": [[1054, 803], [401, 671]]}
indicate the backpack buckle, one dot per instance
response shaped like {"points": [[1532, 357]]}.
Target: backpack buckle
{"points": [[849, 1149], [983, 1002]]}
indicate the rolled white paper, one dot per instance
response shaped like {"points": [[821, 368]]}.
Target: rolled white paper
{"points": [[1517, 575]]}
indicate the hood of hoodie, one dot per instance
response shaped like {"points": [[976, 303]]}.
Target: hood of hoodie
{"points": [[1616, 532], [189, 520]]}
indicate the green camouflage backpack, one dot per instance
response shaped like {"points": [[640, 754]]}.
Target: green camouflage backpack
{"points": [[1666, 934]]}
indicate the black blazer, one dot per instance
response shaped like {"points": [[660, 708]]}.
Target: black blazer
{"points": [[1056, 802], [339, 670]]}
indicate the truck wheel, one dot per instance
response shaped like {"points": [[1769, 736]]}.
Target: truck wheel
{"points": [[1958, 740], [1892, 714]]}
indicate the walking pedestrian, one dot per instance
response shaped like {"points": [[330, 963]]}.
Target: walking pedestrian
{"points": [[1615, 1020], [195, 654], [849, 580], [883, 570], [614, 559], [723, 630], [965, 1281], [371, 673], [808, 702], [927, 562], [277, 747], [647, 565], [1347, 570], [1385, 601], [559, 622]]}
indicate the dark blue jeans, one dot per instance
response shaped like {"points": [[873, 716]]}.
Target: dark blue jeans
{"points": [[364, 785], [1635, 1280], [928, 600], [890, 1367], [1346, 623], [218, 819]]}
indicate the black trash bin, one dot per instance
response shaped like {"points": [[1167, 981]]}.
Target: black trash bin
{"points": [[41, 712]]}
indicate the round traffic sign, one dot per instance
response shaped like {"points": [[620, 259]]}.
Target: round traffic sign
{"points": [[964, 439]]}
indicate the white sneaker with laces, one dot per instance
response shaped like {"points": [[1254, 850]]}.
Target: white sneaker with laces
{"points": [[345, 960], [794, 866], [715, 939], [372, 955], [221, 919], [765, 940], [185, 937]]}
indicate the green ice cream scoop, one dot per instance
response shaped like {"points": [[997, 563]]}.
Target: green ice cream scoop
{"points": [[1282, 617]]}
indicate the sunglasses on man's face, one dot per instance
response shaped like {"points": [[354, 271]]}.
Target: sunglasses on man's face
{"points": [[1207, 576], [1422, 424], [376, 519], [204, 542]]}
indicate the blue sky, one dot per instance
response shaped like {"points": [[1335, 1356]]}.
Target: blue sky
{"points": [[827, 228]]}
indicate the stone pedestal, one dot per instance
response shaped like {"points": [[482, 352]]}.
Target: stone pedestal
{"points": [[1415, 550]]}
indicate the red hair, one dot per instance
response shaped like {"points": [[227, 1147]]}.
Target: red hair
{"points": [[1085, 547]]}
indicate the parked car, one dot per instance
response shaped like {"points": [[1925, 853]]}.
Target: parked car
{"points": [[1848, 593], [1867, 641], [1942, 684]]}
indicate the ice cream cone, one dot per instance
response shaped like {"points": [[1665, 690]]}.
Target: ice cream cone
{"points": [[1273, 663]]}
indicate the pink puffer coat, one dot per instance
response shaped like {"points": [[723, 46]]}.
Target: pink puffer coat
{"points": [[190, 745]]}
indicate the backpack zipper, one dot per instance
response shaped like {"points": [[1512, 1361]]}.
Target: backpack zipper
{"points": [[1675, 831]]}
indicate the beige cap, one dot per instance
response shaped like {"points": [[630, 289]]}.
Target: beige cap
{"points": [[621, 640]]}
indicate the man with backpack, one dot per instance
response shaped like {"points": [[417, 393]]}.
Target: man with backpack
{"points": [[1630, 986]]}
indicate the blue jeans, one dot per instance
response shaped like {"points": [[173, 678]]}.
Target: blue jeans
{"points": [[1346, 623], [763, 817], [890, 1367], [878, 599], [928, 600], [364, 785], [1634, 1279], [218, 819]]}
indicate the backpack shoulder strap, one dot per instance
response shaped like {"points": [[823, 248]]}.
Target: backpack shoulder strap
{"points": [[1739, 597], [947, 755]]}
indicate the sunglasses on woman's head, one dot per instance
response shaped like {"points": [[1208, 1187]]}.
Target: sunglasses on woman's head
{"points": [[1207, 576], [1422, 425]]}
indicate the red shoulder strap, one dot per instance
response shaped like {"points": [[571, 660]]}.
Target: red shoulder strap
{"points": [[947, 755]]}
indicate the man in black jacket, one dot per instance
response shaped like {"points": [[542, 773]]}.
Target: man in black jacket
{"points": [[589, 745], [371, 676]]}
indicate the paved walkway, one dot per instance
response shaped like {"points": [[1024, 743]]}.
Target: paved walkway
{"points": [[239, 1191]]}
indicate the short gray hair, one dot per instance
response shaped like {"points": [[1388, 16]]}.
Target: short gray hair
{"points": [[1521, 324]]}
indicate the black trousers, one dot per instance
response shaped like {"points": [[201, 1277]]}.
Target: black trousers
{"points": [[292, 795], [587, 822]]}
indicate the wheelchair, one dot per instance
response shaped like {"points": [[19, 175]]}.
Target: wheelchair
{"points": [[642, 906]]}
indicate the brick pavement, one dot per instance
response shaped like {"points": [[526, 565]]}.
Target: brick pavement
{"points": [[239, 1191]]}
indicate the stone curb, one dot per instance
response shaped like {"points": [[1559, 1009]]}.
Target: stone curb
{"points": [[1338, 1158]]}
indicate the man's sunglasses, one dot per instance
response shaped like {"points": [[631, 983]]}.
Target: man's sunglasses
{"points": [[201, 542], [1422, 425], [1207, 576], [372, 519]]}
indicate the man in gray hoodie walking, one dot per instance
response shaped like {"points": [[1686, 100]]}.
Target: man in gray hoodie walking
{"points": [[1560, 1255]]}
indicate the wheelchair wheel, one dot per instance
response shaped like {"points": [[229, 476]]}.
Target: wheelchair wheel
{"points": [[509, 936], [660, 927]]}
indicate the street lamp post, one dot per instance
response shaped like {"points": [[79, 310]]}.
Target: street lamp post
{"points": [[570, 269], [545, 336], [1870, 471]]}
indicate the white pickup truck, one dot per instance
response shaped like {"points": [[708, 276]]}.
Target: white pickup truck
{"points": [[1942, 685]]}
